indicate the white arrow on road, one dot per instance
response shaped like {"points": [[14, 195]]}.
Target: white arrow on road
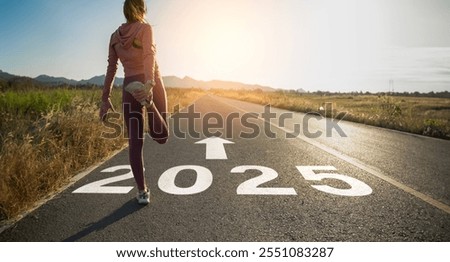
{"points": [[215, 148]]}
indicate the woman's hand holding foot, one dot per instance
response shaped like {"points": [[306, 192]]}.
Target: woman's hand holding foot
{"points": [[143, 97]]}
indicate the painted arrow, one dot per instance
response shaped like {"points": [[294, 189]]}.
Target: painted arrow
{"points": [[215, 148]]}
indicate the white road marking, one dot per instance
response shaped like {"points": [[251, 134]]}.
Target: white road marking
{"points": [[203, 181], [215, 148], [355, 162], [99, 187], [357, 187], [252, 186]]}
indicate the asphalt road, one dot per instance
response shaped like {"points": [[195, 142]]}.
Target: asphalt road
{"points": [[359, 183]]}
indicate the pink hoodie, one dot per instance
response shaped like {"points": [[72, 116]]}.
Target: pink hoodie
{"points": [[133, 44]]}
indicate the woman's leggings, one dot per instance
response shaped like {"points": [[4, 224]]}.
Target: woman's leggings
{"points": [[133, 117]]}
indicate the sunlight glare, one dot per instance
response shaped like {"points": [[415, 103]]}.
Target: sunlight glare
{"points": [[226, 47]]}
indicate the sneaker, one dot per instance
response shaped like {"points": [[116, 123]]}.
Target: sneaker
{"points": [[148, 87], [143, 197]]}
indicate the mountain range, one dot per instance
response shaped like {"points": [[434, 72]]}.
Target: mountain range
{"points": [[169, 81]]}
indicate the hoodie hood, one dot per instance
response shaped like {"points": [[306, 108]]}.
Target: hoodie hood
{"points": [[126, 34]]}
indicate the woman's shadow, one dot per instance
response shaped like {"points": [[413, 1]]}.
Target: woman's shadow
{"points": [[126, 209]]}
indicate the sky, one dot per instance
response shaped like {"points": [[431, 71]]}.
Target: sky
{"points": [[328, 45]]}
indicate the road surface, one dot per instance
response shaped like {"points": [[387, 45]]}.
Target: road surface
{"points": [[243, 173]]}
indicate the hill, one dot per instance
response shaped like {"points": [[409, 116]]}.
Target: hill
{"points": [[50, 80], [187, 82], [6, 76], [169, 81]]}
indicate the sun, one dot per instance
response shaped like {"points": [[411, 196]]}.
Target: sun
{"points": [[227, 47]]}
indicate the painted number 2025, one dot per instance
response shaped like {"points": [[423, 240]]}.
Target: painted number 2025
{"points": [[204, 179]]}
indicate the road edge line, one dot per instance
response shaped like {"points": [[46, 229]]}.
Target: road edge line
{"points": [[357, 163], [9, 223], [4, 225]]}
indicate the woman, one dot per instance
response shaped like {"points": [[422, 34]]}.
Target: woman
{"points": [[132, 44]]}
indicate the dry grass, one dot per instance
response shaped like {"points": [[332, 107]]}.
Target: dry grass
{"points": [[49, 136], [419, 115], [182, 97]]}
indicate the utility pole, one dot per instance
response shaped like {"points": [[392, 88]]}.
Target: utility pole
{"points": [[391, 85]]}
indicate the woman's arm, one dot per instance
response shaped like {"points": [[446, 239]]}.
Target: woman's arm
{"points": [[149, 52], [109, 79], [110, 71]]}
